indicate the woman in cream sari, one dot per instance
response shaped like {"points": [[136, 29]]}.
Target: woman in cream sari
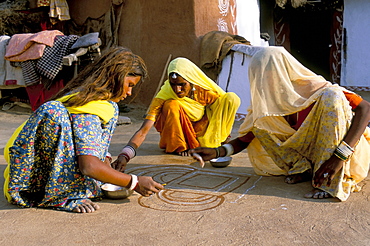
{"points": [[189, 111], [301, 126]]}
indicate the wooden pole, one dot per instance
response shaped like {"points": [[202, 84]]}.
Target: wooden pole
{"points": [[161, 80]]}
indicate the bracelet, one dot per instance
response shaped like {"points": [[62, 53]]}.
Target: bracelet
{"points": [[343, 158], [229, 149], [128, 152], [126, 156], [343, 151], [109, 156], [134, 182], [217, 152], [347, 145]]}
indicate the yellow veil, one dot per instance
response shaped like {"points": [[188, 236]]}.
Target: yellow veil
{"points": [[192, 73], [280, 85]]}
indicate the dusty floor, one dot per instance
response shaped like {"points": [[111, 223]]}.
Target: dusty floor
{"points": [[210, 206]]}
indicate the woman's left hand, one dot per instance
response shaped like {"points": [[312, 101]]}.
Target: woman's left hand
{"points": [[327, 171], [120, 163]]}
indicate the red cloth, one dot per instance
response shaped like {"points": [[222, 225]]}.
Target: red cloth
{"points": [[37, 94]]}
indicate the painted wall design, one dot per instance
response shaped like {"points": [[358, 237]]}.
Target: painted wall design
{"points": [[227, 8], [336, 48]]}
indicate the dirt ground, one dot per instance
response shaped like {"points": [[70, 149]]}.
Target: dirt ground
{"points": [[209, 206]]}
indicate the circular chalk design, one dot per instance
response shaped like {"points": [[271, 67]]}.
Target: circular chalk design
{"points": [[189, 189]]}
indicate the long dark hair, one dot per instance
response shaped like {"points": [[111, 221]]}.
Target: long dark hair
{"points": [[104, 78]]}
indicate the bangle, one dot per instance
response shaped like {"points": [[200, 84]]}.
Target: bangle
{"points": [[128, 152], [340, 156], [126, 156], [217, 152], [109, 156], [134, 182], [229, 149], [347, 145], [343, 151]]}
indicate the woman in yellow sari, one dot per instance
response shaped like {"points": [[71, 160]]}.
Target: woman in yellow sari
{"points": [[190, 110], [302, 126], [59, 156]]}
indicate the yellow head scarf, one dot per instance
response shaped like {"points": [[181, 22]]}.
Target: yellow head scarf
{"points": [[194, 75], [101, 108]]}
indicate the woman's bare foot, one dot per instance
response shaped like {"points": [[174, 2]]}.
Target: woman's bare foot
{"points": [[317, 194], [298, 178], [86, 207]]}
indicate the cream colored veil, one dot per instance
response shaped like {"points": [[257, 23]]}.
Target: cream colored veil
{"points": [[280, 85]]}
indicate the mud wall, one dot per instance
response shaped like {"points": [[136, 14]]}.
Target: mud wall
{"points": [[157, 28]]}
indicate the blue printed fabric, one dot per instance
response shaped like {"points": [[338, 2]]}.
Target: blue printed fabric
{"points": [[44, 170]]}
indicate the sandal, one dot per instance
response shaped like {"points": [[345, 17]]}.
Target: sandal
{"points": [[7, 106]]}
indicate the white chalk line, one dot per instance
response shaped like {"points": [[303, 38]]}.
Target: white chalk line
{"points": [[250, 188]]}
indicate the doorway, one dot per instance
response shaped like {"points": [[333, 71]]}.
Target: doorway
{"points": [[310, 39]]}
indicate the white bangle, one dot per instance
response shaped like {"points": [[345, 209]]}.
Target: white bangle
{"points": [[129, 152], [134, 181], [345, 150], [229, 149]]}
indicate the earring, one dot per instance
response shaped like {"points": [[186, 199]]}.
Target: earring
{"points": [[193, 88], [174, 76]]}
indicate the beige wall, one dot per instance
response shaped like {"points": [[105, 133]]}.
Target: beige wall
{"points": [[155, 29]]}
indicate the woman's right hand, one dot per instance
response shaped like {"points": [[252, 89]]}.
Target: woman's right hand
{"points": [[120, 163], [147, 186], [206, 153]]}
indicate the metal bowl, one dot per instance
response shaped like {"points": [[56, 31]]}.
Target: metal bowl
{"points": [[112, 191], [221, 161]]}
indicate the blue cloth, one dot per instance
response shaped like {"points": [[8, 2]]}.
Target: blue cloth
{"points": [[86, 40], [43, 159]]}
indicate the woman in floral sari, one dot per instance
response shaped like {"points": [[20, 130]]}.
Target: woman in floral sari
{"points": [[58, 157], [302, 126]]}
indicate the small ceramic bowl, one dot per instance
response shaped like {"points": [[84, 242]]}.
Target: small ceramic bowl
{"points": [[112, 191], [221, 161]]}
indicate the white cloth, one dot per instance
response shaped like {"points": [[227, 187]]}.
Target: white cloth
{"points": [[3, 42], [248, 21], [10, 77], [234, 75]]}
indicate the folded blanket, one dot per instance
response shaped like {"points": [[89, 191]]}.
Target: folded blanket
{"points": [[215, 46]]}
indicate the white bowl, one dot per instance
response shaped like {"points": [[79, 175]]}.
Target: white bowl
{"points": [[115, 192]]}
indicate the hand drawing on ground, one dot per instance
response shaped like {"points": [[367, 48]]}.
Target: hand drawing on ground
{"points": [[190, 189]]}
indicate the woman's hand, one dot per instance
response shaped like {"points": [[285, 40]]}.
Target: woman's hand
{"points": [[147, 186], [327, 171], [206, 153], [332, 166], [108, 161], [120, 163]]}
